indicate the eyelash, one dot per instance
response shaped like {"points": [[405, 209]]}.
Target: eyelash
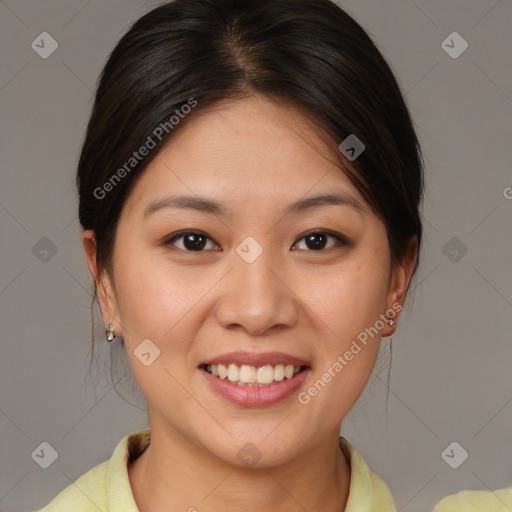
{"points": [[341, 240]]}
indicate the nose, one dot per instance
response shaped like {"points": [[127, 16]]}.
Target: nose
{"points": [[257, 297]]}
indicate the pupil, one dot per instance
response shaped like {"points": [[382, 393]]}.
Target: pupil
{"points": [[189, 241], [312, 241]]}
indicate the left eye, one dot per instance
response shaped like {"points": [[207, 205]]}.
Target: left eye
{"points": [[317, 240]]}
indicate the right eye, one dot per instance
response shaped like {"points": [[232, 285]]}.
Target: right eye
{"points": [[193, 241]]}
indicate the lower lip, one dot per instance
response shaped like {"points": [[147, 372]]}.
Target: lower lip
{"points": [[253, 396]]}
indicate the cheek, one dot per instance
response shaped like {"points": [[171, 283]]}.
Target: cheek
{"points": [[351, 299], [347, 305], [346, 308], [156, 305], [153, 299]]}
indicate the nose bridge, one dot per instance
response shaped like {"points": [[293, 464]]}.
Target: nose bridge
{"points": [[256, 297], [256, 276], [253, 261]]}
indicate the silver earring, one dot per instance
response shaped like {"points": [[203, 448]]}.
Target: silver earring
{"points": [[391, 321], [110, 333]]}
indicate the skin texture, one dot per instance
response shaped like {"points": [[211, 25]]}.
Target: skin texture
{"points": [[255, 157]]}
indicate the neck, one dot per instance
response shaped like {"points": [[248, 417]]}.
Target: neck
{"points": [[175, 474]]}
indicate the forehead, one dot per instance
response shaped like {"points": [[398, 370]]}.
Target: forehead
{"points": [[243, 150]]}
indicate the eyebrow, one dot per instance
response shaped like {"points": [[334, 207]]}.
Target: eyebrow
{"points": [[210, 206]]}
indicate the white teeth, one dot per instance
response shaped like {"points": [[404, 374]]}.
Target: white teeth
{"points": [[279, 372], [265, 374], [233, 373], [247, 373], [251, 375], [222, 370]]}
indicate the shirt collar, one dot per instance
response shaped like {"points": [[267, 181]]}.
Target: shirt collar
{"points": [[367, 491]]}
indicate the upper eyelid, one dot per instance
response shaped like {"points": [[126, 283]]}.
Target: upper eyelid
{"points": [[324, 231]]}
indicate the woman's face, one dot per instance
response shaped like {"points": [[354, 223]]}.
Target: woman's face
{"points": [[250, 283]]}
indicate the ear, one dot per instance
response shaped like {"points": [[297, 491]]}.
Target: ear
{"points": [[399, 283], [104, 288]]}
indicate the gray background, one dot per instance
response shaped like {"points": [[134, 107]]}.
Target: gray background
{"points": [[450, 378]]}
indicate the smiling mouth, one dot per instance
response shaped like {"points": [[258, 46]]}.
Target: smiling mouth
{"points": [[252, 376]]}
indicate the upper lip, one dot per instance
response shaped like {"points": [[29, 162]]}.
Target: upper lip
{"points": [[257, 359]]}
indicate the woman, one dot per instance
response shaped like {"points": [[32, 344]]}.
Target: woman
{"points": [[249, 189]]}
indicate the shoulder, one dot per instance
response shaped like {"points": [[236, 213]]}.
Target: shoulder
{"points": [[105, 486], [87, 493], [368, 492], [499, 500]]}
